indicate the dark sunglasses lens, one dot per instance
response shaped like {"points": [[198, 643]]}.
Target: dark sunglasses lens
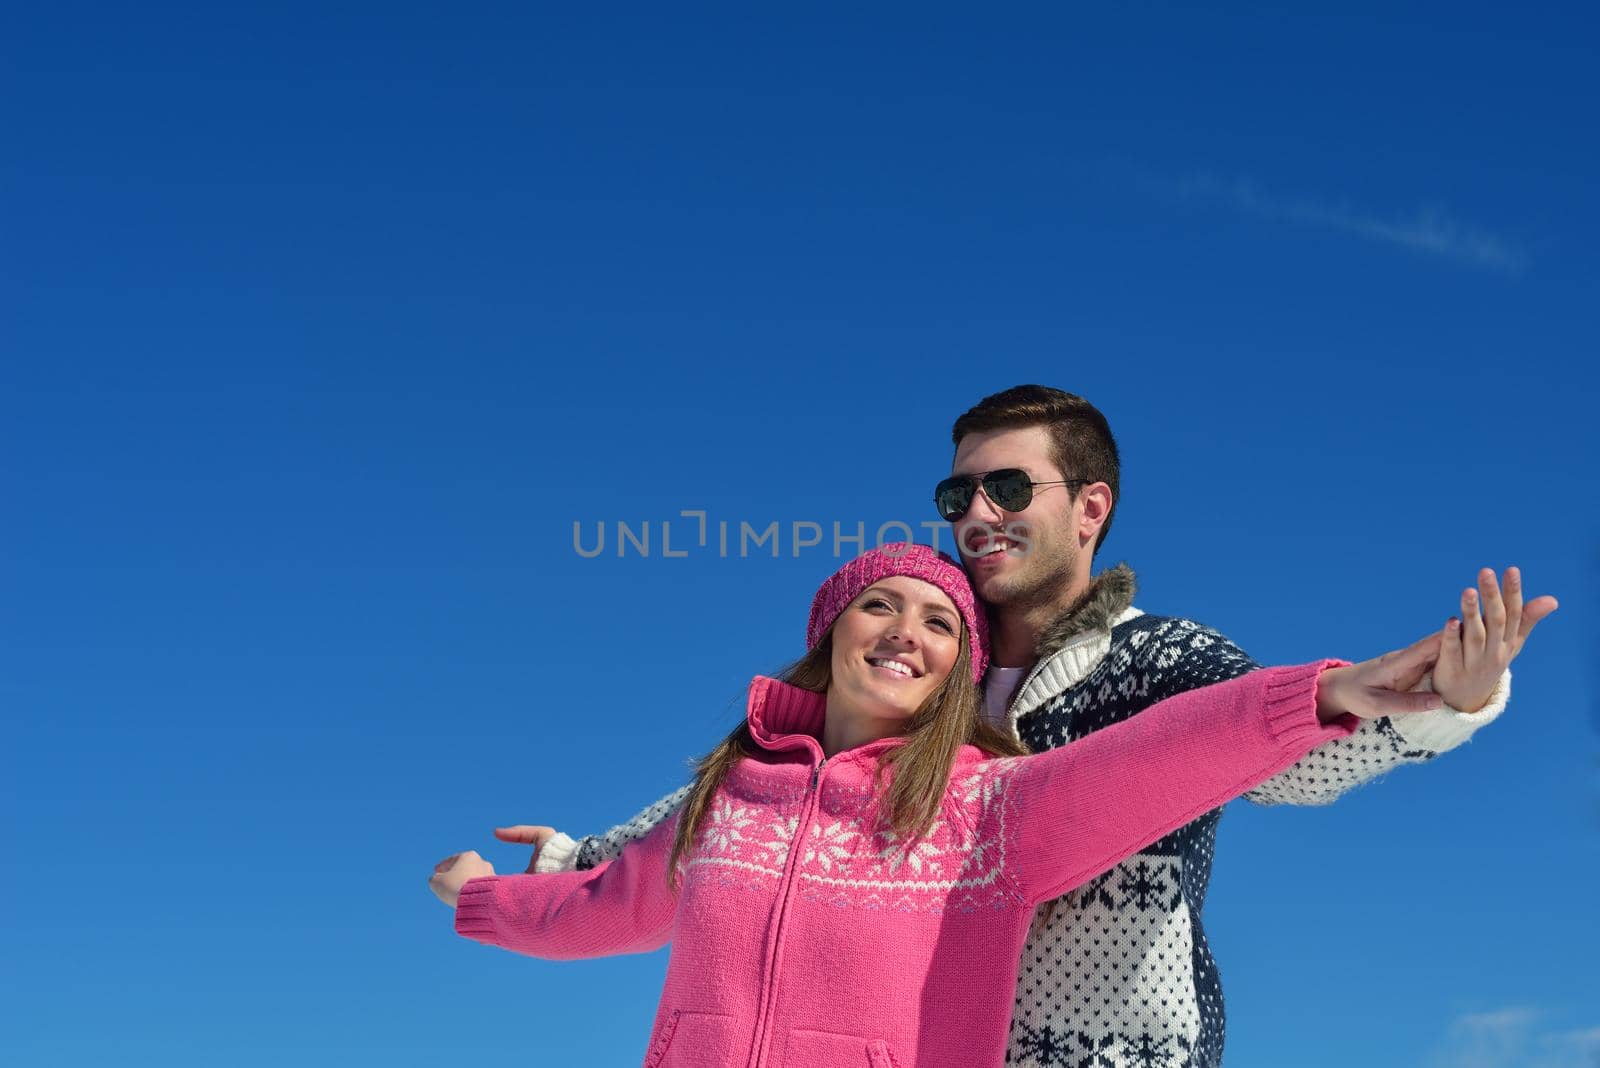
{"points": [[953, 497], [1010, 489]]}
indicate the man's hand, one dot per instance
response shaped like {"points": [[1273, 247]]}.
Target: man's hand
{"points": [[1380, 686], [451, 873], [527, 834], [1478, 647]]}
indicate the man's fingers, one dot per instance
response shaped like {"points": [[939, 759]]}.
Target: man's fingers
{"points": [[1472, 636], [1532, 613], [525, 834], [1494, 608], [1513, 621], [522, 832], [1450, 646]]}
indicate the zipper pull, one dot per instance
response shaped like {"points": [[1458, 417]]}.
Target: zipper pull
{"points": [[816, 773]]}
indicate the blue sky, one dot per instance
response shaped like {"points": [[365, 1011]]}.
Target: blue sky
{"points": [[323, 327]]}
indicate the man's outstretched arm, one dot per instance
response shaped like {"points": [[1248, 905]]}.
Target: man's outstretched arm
{"points": [[1472, 676], [559, 852]]}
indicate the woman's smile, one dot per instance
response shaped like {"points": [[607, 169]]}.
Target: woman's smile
{"points": [[896, 668]]}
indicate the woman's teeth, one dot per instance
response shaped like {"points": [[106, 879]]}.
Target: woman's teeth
{"points": [[895, 666]]}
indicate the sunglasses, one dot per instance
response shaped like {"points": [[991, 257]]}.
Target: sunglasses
{"points": [[1009, 488]]}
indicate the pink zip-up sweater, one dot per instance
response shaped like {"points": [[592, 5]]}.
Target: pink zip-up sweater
{"points": [[803, 936]]}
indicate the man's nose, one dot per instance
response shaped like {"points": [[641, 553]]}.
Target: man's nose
{"points": [[983, 510]]}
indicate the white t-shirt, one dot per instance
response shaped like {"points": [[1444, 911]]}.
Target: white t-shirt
{"points": [[999, 686]]}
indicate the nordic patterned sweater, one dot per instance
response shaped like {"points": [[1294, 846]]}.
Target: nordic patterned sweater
{"points": [[1120, 975]]}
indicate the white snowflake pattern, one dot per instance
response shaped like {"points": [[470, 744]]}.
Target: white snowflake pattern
{"points": [[724, 831], [829, 845], [980, 855], [895, 852], [971, 788], [982, 787], [782, 834]]}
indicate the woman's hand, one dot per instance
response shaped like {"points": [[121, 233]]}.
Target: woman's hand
{"points": [[451, 873], [527, 834], [1381, 686], [1479, 646]]}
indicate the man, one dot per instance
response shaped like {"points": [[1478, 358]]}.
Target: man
{"points": [[1119, 972]]}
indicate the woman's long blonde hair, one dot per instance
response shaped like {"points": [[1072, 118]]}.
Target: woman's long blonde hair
{"points": [[941, 725]]}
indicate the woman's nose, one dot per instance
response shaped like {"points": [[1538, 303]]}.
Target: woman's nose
{"points": [[901, 634]]}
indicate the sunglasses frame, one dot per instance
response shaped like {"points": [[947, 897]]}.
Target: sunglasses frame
{"points": [[972, 482]]}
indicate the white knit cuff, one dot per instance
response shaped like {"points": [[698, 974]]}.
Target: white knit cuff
{"points": [[558, 854], [1445, 728]]}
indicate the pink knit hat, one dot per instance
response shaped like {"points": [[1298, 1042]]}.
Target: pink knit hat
{"points": [[913, 561]]}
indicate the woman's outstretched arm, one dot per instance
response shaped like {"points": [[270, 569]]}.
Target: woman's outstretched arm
{"points": [[1074, 812], [621, 906]]}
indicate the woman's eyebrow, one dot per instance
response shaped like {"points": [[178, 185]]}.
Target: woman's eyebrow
{"points": [[929, 608]]}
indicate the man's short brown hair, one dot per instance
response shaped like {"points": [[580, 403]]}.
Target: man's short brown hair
{"points": [[1080, 437]]}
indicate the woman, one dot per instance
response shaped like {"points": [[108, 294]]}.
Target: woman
{"points": [[852, 877]]}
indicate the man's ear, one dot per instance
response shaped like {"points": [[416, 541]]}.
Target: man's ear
{"points": [[1096, 502]]}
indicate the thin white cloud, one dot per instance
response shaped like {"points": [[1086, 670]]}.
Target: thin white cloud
{"points": [[1516, 1038], [1429, 230]]}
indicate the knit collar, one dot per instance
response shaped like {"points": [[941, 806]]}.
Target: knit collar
{"points": [[778, 711], [1069, 648], [785, 718]]}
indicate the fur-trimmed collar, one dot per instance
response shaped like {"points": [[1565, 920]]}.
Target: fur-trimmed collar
{"points": [[1108, 596]]}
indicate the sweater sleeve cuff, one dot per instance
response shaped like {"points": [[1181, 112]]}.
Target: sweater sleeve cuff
{"points": [[1445, 728], [1291, 707], [475, 909], [558, 854]]}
